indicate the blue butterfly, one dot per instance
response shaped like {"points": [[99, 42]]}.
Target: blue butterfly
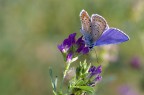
{"points": [[96, 31]]}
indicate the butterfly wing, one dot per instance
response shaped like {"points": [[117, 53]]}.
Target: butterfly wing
{"points": [[85, 21], [86, 28], [112, 36], [99, 25]]}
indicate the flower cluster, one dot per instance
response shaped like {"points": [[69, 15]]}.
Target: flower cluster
{"points": [[86, 78], [71, 47], [94, 75]]}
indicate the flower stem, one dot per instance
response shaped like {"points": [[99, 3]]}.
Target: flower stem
{"points": [[64, 74], [66, 69]]}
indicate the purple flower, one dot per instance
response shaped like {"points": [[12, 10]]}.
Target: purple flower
{"points": [[70, 47], [81, 46], [67, 43], [127, 90], [95, 70], [72, 38], [80, 41], [69, 57], [85, 50], [98, 78], [94, 74], [135, 62]]}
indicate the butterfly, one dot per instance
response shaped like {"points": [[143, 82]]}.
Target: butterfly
{"points": [[96, 31]]}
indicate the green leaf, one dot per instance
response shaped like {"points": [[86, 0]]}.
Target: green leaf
{"points": [[84, 65], [52, 81], [56, 79], [78, 72], [80, 82], [74, 59], [59, 93], [88, 67], [85, 88], [54, 92]]}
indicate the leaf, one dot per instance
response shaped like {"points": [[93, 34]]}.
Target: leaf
{"points": [[85, 88], [78, 72], [56, 79], [88, 67], [74, 59], [80, 82], [52, 81]]}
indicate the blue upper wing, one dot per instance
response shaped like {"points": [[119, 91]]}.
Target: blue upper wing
{"points": [[112, 36]]}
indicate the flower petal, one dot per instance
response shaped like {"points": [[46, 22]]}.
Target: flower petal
{"points": [[98, 70], [60, 47], [72, 38], [98, 78], [92, 69], [80, 41], [95, 71], [67, 43], [69, 57], [85, 50], [80, 48]]}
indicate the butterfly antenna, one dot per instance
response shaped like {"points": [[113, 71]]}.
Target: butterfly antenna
{"points": [[96, 56]]}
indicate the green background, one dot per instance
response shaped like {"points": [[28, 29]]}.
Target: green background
{"points": [[30, 31]]}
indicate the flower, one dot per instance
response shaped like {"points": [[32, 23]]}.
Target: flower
{"points": [[127, 90], [95, 70], [69, 57], [94, 74], [67, 43], [135, 62], [71, 47], [81, 46]]}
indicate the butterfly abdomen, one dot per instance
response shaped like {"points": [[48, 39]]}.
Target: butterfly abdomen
{"points": [[89, 43], [87, 38]]}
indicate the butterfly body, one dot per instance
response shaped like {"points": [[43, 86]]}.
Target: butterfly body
{"points": [[96, 31], [87, 38]]}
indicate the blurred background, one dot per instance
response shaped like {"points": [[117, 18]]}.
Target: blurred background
{"points": [[30, 31]]}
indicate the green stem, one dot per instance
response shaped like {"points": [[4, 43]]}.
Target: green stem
{"points": [[64, 74], [66, 69]]}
